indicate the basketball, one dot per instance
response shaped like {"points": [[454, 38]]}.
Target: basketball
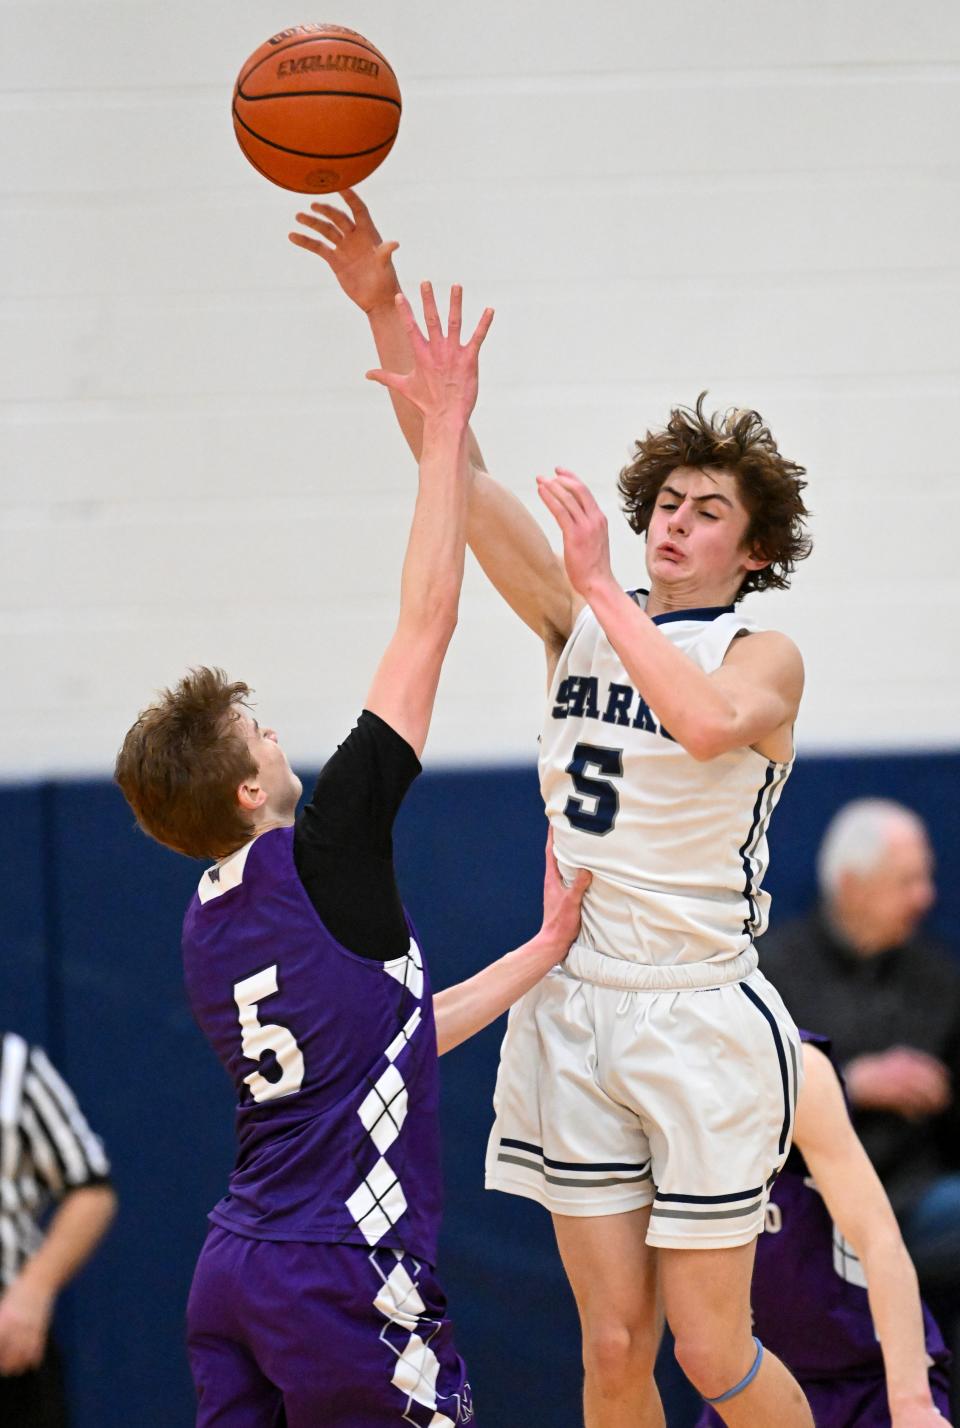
{"points": [[316, 108]]}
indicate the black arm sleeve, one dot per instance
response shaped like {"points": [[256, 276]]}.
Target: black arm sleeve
{"points": [[343, 840]]}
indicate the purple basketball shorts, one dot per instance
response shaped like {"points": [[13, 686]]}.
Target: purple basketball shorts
{"points": [[292, 1335], [852, 1402]]}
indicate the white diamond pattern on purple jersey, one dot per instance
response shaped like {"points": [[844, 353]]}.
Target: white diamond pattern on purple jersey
{"points": [[377, 1204], [408, 1333], [378, 1201]]}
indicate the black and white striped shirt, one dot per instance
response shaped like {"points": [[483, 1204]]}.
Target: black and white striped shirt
{"points": [[46, 1149]]}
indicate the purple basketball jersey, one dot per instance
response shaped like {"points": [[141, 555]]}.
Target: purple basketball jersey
{"points": [[809, 1295], [334, 1060]]}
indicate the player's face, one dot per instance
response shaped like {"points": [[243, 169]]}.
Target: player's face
{"points": [[695, 540], [275, 775]]}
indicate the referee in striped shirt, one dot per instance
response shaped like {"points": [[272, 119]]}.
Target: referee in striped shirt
{"points": [[48, 1157]]}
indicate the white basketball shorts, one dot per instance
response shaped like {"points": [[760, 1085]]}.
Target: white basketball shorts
{"points": [[612, 1097]]}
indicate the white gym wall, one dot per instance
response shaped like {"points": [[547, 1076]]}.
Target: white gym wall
{"points": [[751, 196]]}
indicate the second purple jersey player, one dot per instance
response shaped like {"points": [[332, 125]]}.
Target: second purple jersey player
{"points": [[834, 1293], [315, 1299]]}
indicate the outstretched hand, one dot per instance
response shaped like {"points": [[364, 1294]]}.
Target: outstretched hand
{"points": [[444, 379], [561, 904], [586, 545], [350, 245]]}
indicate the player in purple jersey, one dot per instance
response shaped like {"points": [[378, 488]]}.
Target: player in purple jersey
{"points": [[315, 1299], [834, 1292]]}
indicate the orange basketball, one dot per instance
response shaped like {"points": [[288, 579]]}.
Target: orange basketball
{"points": [[316, 108]]}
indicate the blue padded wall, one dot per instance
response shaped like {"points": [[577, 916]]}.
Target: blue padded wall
{"points": [[91, 944], [27, 969], [928, 783], [153, 1091]]}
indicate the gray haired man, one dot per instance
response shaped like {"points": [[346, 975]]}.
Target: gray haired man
{"points": [[859, 969]]}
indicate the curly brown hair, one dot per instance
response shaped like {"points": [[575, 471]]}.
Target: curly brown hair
{"points": [[181, 763], [768, 484]]}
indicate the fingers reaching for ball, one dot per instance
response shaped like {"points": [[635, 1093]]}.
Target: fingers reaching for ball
{"points": [[324, 227], [434, 334], [430, 315], [356, 205], [359, 259], [445, 371]]}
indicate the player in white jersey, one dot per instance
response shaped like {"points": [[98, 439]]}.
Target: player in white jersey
{"points": [[647, 1087]]}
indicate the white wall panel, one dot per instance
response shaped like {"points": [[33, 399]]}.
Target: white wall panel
{"points": [[756, 198], [597, 128], [755, 226], [116, 44], [633, 332]]}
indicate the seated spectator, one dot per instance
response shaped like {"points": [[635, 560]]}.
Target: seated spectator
{"points": [[889, 999], [48, 1156]]}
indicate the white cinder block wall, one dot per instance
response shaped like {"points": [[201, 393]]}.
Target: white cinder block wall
{"points": [[756, 197]]}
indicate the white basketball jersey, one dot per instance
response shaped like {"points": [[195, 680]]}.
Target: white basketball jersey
{"points": [[677, 847]]}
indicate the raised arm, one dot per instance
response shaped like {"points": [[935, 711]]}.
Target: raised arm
{"points": [[755, 693], [443, 388], [860, 1209], [508, 542]]}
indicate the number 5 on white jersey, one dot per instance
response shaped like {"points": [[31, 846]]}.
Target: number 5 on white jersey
{"points": [[257, 1040]]}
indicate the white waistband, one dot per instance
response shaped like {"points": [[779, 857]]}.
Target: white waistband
{"points": [[604, 971]]}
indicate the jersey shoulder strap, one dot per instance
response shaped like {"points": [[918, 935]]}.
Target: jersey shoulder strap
{"points": [[717, 637]]}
